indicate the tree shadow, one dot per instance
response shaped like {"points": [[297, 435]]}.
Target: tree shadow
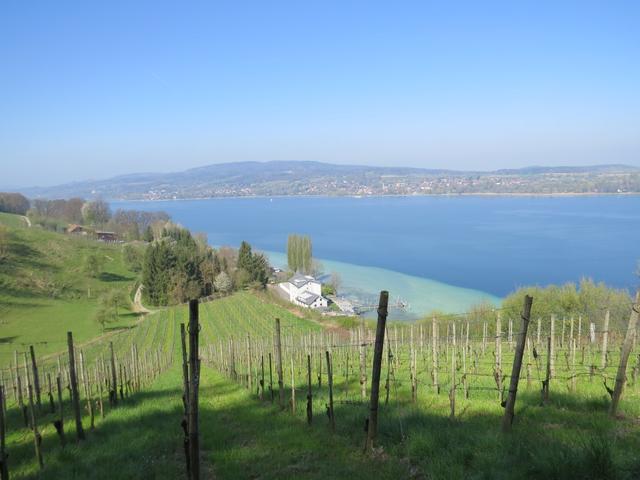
{"points": [[113, 277]]}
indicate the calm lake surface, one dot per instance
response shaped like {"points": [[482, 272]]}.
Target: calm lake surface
{"points": [[435, 252]]}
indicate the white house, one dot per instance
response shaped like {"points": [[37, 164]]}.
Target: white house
{"points": [[304, 290]]}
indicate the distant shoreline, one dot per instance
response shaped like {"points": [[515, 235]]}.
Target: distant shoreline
{"points": [[486, 194]]}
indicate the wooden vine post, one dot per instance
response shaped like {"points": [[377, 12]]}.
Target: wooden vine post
{"points": [[332, 418], [36, 377], [372, 430], [37, 438], [624, 356], [507, 420], [194, 372], [279, 365], [185, 398], [309, 392], [113, 392], [4, 468], [73, 380], [59, 424]]}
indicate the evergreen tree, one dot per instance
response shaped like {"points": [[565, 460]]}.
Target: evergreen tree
{"points": [[148, 234], [244, 256]]}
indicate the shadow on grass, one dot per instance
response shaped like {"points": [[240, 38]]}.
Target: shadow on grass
{"points": [[245, 438], [114, 277]]}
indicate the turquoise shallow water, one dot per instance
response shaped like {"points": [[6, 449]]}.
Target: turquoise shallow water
{"points": [[421, 294]]}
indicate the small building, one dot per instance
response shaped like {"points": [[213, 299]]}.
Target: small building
{"points": [[305, 291], [74, 229], [108, 237]]}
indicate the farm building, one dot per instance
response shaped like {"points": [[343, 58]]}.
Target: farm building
{"points": [[305, 291], [74, 229], [109, 237]]}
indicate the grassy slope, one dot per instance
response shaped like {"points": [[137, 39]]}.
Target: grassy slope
{"points": [[44, 290], [10, 220], [245, 438]]}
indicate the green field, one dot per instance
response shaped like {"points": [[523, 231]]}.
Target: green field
{"points": [[11, 220], [45, 291]]}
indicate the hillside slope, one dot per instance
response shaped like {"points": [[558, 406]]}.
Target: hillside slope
{"points": [[45, 289]]}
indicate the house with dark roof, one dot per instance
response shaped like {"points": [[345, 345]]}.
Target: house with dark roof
{"points": [[109, 237], [305, 291]]}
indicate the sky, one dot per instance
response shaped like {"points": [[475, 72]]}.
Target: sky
{"points": [[97, 89]]}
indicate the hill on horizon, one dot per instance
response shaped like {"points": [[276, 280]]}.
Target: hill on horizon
{"points": [[307, 178]]}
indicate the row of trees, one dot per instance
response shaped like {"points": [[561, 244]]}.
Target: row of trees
{"points": [[128, 224], [179, 266], [66, 210], [13, 203], [300, 253]]}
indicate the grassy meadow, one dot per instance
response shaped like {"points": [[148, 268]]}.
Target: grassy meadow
{"points": [[45, 290]]}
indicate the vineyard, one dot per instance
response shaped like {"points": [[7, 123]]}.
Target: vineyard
{"points": [[288, 398]]}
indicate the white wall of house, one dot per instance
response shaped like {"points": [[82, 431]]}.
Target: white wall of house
{"points": [[311, 286]]}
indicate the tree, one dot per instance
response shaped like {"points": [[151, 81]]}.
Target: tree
{"points": [[13, 203], [133, 257], [102, 317], [148, 234], [4, 242], [299, 253], [335, 282], [244, 256], [222, 283], [93, 265], [110, 304], [96, 212]]}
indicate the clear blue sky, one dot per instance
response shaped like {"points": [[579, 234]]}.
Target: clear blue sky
{"points": [[94, 89]]}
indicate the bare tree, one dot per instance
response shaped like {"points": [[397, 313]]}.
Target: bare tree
{"points": [[336, 282]]}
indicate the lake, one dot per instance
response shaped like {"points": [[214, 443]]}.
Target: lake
{"points": [[434, 252]]}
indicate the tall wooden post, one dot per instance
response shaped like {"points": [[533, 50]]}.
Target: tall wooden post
{"points": [[605, 339], [4, 468], [185, 371], [279, 365], [498, 355], [309, 392], [434, 355], [624, 356], [37, 439], [249, 366], [546, 383], [372, 431], [36, 377], [363, 361], [552, 348], [194, 371], [517, 365], [293, 388], [332, 418], [59, 424], [113, 394], [73, 380]]}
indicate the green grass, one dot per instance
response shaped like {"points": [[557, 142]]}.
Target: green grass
{"points": [[45, 292], [11, 220]]}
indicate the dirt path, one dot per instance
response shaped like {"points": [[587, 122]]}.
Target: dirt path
{"points": [[137, 301]]}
